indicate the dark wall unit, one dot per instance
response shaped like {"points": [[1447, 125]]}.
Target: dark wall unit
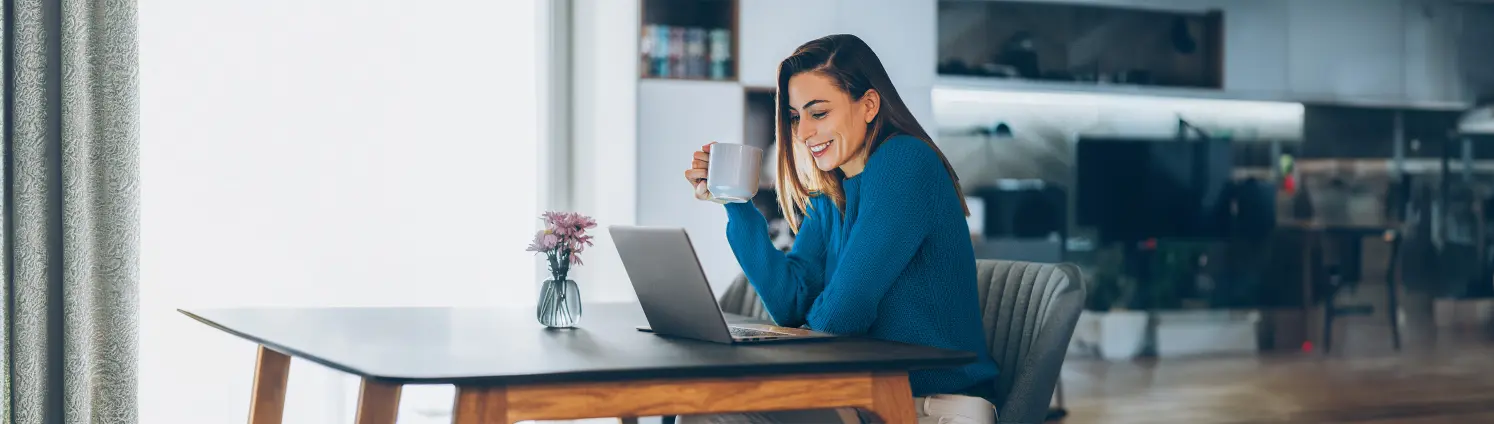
{"points": [[1023, 210], [1341, 132], [759, 131], [1476, 63], [688, 39], [1081, 43]]}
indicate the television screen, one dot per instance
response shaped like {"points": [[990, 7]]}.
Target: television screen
{"points": [[1135, 189]]}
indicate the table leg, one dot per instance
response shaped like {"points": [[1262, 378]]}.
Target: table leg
{"points": [[892, 398], [481, 405], [378, 402], [271, 372]]}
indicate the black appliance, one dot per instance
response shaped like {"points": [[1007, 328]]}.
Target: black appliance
{"points": [[1024, 209], [1137, 189]]}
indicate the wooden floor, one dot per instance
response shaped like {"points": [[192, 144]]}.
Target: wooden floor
{"points": [[1443, 382]]}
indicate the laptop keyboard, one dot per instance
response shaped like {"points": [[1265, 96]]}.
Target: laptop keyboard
{"points": [[748, 332]]}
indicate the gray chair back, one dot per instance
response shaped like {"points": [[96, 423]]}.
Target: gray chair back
{"points": [[741, 299], [1028, 310]]}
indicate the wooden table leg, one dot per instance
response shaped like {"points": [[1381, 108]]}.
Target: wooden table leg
{"points": [[481, 405], [892, 398], [378, 402], [271, 372]]}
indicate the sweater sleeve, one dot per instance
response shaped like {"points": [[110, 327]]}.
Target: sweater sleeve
{"points": [[899, 184], [787, 282]]}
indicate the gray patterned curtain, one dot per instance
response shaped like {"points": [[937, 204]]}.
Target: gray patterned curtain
{"points": [[71, 212]]}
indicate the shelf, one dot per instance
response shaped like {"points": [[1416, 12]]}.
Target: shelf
{"points": [[1039, 86], [991, 84], [694, 39], [1082, 42], [691, 79]]}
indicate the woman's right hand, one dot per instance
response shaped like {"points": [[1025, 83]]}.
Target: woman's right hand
{"points": [[700, 163]]}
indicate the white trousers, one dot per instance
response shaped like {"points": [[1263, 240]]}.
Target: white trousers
{"points": [[935, 409]]}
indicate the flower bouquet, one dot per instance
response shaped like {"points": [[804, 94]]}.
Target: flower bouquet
{"points": [[561, 241]]}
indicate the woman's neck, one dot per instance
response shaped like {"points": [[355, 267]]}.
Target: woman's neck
{"points": [[853, 167], [855, 164]]}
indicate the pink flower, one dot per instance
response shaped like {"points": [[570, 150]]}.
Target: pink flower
{"points": [[543, 242], [564, 236], [551, 241]]}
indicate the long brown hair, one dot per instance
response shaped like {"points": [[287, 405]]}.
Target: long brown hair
{"points": [[856, 69]]}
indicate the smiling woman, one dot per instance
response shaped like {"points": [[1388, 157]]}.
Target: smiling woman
{"points": [[883, 248], [832, 96]]}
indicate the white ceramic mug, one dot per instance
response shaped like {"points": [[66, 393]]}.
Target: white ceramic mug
{"points": [[734, 171]]}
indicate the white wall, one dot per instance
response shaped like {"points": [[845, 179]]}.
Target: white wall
{"points": [[327, 153], [901, 32], [605, 143], [772, 29], [675, 118]]}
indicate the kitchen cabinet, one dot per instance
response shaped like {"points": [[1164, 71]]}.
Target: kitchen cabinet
{"points": [[1475, 73], [1255, 39], [1346, 49], [1431, 54], [1385, 52], [1395, 52]]}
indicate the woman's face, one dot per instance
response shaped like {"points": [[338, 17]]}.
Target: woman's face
{"points": [[829, 125]]}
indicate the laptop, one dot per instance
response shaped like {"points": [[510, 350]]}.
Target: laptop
{"points": [[676, 298]]}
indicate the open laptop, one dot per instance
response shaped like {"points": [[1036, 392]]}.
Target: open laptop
{"points": [[675, 295]]}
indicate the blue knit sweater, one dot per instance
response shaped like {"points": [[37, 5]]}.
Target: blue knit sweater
{"points": [[896, 265]]}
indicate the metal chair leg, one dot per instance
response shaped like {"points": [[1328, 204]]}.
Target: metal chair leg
{"points": [[1392, 280], [1330, 308], [1328, 326]]}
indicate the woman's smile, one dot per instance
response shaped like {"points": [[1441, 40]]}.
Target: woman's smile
{"points": [[819, 149]]}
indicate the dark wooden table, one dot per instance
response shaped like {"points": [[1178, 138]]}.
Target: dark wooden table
{"points": [[507, 368]]}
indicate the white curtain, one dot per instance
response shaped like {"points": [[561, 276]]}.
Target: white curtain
{"points": [[327, 153]]}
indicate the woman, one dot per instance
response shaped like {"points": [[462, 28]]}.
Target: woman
{"points": [[882, 248]]}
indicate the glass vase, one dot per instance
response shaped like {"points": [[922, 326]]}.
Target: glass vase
{"points": [[559, 304]]}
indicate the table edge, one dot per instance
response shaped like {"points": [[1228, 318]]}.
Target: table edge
{"points": [[600, 376], [280, 348]]}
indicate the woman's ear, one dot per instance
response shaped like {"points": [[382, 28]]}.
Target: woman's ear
{"points": [[871, 102]]}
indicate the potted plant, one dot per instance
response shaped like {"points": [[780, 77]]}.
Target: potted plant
{"points": [[1113, 322], [1123, 330]]}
